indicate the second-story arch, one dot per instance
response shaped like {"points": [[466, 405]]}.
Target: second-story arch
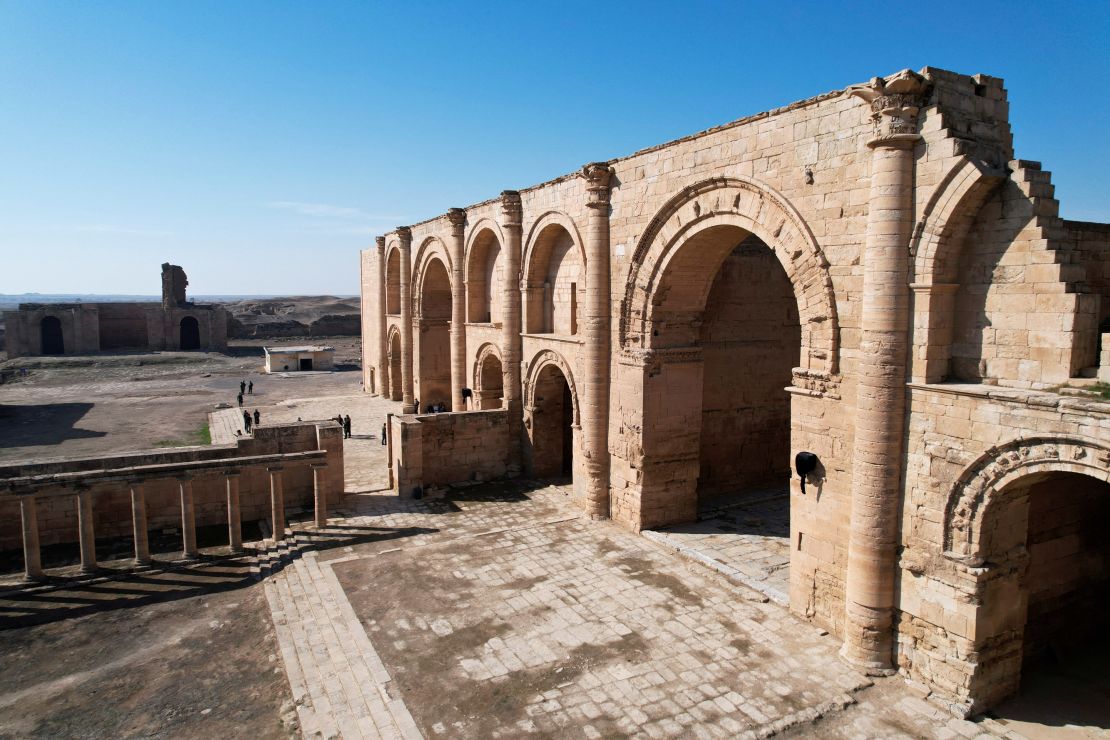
{"points": [[432, 328], [484, 273], [554, 276]]}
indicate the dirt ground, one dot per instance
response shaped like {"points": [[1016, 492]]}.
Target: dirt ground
{"points": [[71, 406]]}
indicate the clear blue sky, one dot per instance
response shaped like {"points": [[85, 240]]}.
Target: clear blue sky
{"points": [[263, 144]]}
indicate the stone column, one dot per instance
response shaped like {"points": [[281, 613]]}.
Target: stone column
{"points": [[404, 234], [596, 356], [880, 405], [188, 519], [511, 349], [139, 527], [320, 493], [277, 504], [383, 353], [85, 531], [457, 217], [32, 557], [234, 519]]}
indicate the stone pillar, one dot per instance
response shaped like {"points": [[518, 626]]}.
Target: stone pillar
{"points": [[32, 557], [139, 527], [596, 355], [404, 235], [457, 249], [320, 493], [511, 348], [86, 534], [383, 353], [881, 395], [277, 504], [234, 520], [188, 519]]}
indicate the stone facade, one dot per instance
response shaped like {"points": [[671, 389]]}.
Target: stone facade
{"points": [[83, 328], [869, 275]]}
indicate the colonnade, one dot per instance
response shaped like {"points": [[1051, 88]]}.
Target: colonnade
{"points": [[86, 530]]}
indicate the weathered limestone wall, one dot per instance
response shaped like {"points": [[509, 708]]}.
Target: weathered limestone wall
{"points": [[1092, 242], [440, 449], [57, 514]]}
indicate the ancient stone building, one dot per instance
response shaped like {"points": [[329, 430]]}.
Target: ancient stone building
{"points": [[870, 275], [80, 328]]}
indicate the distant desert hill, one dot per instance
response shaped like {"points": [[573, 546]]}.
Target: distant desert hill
{"points": [[293, 316]]}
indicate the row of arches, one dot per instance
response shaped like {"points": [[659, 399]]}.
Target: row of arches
{"points": [[553, 269]]}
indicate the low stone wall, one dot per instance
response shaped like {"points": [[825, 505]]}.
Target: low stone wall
{"points": [[57, 483], [439, 449]]}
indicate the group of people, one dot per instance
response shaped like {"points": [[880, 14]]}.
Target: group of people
{"points": [[345, 422], [431, 408], [249, 421]]}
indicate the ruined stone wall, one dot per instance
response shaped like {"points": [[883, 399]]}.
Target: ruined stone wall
{"points": [[1092, 242], [123, 326], [57, 514], [440, 449]]}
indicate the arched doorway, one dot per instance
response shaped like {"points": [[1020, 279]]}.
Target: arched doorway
{"points": [[554, 282], [1056, 523], [433, 371], [394, 387], [51, 331], [552, 427], [190, 333], [490, 381]]}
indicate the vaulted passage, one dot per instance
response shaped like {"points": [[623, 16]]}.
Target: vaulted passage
{"points": [[750, 338], [190, 333], [1056, 523], [433, 371], [552, 425], [51, 331]]}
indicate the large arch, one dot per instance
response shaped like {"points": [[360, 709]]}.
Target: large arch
{"points": [[488, 377], [551, 417], [483, 278], [554, 270], [757, 209], [432, 315]]}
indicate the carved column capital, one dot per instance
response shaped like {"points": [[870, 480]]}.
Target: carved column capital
{"points": [[404, 234], [511, 209], [457, 217], [597, 176], [380, 241], [895, 102]]}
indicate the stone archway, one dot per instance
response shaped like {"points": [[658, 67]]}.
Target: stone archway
{"points": [[554, 276], [393, 282], [1024, 528], [392, 382], [432, 317], [488, 378], [551, 417], [50, 331], [728, 302], [190, 333], [484, 279]]}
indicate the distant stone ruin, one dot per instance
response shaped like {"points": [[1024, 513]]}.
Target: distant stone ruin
{"points": [[82, 328]]}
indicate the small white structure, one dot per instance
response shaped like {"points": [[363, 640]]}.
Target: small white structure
{"points": [[294, 359]]}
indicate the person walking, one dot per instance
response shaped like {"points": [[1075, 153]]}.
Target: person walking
{"points": [[383, 435], [240, 397], [347, 427], [257, 417], [247, 422], [250, 388], [242, 387]]}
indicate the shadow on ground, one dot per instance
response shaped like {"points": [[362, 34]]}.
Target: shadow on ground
{"points": [[43, 424]]}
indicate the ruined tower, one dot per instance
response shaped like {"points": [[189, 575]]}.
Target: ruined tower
{"points": [[173, 286]]}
